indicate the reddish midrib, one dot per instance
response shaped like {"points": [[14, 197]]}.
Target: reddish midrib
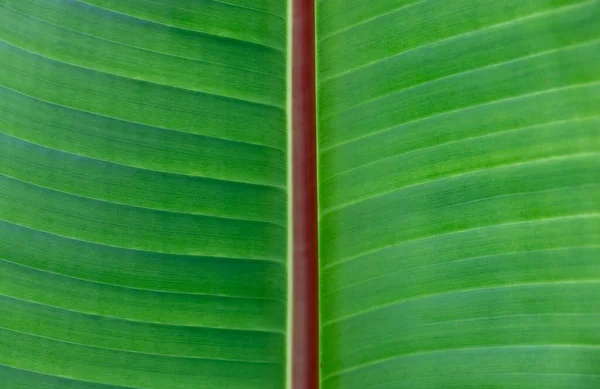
{"points": [[305, 326]]}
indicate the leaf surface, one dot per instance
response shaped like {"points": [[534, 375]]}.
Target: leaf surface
{"points": [[459, 198], [143, 196]]}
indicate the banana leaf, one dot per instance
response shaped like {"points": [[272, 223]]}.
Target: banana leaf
{"points": [[459, 161]]}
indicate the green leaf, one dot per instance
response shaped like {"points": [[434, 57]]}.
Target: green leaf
{"points": [[143, 195], [458, 192]]}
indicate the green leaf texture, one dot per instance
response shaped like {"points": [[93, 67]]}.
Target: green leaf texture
{"points": [[459, 153], [143, 200]]}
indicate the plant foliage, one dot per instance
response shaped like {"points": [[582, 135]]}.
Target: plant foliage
{"points": [[144, 196], [143, 199], [459, 193]]}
